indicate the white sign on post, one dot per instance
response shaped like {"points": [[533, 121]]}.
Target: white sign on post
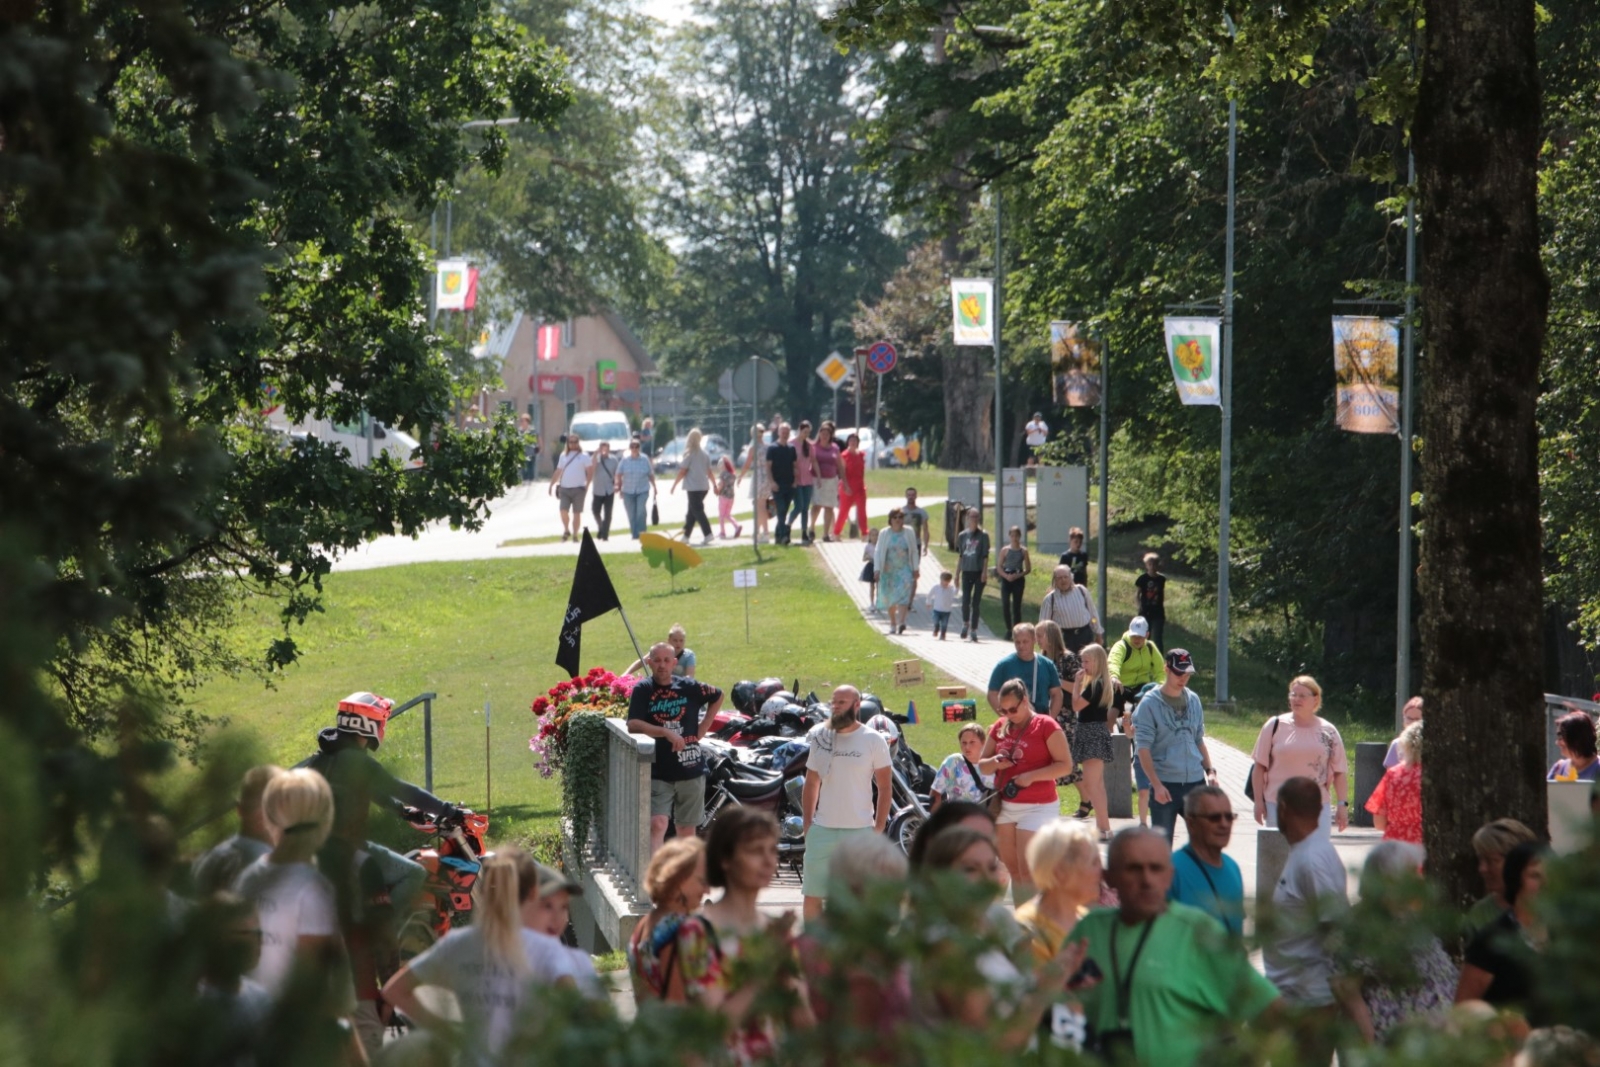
{"points": [[744, 579]]}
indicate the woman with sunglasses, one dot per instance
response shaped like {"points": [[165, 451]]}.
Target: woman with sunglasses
{"points": [[1026, 753]]}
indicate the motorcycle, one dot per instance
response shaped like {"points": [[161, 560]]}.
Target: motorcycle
{"points": [[453, 866], [763, 781]]}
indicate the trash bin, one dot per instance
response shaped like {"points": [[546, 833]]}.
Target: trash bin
{"points": [[953, 510], [1369, 772]]}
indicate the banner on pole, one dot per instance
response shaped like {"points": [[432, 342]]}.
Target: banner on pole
{"points": [[972, 305], [1366, 370], [452, 285], [549, 342], [1074, 365], [1194, 348]]}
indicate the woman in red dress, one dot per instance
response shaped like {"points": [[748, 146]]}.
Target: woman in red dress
{"points": [[852, 485], [1396, 805]]}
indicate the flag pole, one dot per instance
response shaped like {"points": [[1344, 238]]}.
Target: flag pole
{"points": [[629, 627], [488, 766]]}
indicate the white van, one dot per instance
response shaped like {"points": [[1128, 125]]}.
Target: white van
{"points": [[362, 440], [592, 427]]}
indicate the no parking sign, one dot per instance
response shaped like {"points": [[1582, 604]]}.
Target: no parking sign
{"points": [[882, 357]]}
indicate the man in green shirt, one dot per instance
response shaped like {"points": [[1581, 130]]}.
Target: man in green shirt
{"points": [[1169, 977]]}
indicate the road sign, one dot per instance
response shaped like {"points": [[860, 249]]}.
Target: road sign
{"points": [[882, 357], [755, 381], [566, 390], [834, 370], [725, 386]]}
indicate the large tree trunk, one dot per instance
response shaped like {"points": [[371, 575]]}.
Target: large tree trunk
{"points": [[1485, 298], [968, 396]]}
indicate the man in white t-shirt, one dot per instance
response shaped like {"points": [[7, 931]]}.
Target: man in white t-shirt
{"points": [[846, 762], [1309, 902], [1036, 432], [574, 470]]}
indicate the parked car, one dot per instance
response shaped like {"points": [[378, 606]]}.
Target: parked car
{"points": [[670, 458]]}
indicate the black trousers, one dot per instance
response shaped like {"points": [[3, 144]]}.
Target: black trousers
{"points": [[1011, 601], [1158, 630], [602, 507], [697, 513], [971, 598]]}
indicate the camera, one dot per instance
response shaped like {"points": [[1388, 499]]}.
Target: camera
{"points": [[1011, 790]]}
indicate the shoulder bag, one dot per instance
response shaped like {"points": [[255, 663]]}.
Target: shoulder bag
{"points": [[1250, 775]]}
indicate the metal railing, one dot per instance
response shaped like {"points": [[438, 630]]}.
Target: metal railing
{"points": [[1556, 706], [620, 840], [426, 700]]}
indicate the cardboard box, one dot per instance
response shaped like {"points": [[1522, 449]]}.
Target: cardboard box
{"points": [[952, 692], [959, 710], [908, 672]]}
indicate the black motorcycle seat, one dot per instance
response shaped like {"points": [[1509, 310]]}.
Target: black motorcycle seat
{"points": [[754, 788]]}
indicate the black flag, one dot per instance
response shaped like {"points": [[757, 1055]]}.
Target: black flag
{"points": [[592, 596]]}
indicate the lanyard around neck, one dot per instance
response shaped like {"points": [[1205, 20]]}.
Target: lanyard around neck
{"points": [[1125, 988]]}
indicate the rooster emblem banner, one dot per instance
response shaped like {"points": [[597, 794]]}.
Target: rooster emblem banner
{"points": [[972, 302], [1193, 346]]}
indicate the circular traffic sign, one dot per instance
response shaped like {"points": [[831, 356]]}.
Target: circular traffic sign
{"points": [[755, 381], [881, 357]]}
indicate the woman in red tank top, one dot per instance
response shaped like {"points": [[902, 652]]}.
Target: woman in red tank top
{"points": [[1026, 752]]}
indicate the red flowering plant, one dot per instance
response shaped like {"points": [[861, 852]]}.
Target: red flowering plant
{"points": [[599, 691]]}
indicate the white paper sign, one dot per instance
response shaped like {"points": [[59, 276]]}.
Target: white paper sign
{"points": [[744, 579]]}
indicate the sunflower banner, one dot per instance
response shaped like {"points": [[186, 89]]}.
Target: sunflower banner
{"points": [[1194, 349], [972, 305], [452, 285], [1366, 371]]}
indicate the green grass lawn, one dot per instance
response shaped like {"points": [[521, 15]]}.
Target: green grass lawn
{"points": [[486, 631]]}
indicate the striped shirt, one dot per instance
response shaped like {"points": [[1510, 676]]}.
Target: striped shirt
{"points": [[1070, 611]]}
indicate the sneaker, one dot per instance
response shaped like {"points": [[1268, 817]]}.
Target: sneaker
{"points": [[761, 539], [565, 536], [738, 531]]}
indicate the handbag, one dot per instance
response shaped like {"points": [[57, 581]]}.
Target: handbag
{"points": [[1250, 775], [655, 513]]}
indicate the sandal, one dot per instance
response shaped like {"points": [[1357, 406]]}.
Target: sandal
{"points": [[1105, 837]]}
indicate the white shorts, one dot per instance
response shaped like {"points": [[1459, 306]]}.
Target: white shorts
{"points": [[1029, 818], [826, 494]]}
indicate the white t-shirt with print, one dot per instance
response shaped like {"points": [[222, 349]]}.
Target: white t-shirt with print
{"points": [[489, 992], [846, 763], [293, 900], [1311, 897]]}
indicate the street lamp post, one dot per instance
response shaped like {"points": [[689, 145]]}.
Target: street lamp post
{"points": [[999, 458], [1227, 406], [1402, 656]]}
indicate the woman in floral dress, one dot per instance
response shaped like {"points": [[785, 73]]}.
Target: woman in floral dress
{"points": [[1396, 804], [896, 566]]}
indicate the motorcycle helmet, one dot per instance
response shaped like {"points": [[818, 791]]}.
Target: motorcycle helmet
{"points": [[886, 726], [870, 706], [774, 704], [765, 689], [744, 696], [365, 715]]}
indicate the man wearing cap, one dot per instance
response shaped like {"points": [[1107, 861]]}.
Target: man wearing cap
{"points": [[670, 709], [1038, 432], [1134, 660], [1170, 738]]}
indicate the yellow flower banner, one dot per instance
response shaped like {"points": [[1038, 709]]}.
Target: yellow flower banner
{"points": [[972, 305], [1194, 350]]}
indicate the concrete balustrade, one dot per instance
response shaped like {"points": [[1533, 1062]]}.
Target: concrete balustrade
{"points": [[612, 867]]}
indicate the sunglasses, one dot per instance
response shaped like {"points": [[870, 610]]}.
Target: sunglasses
{"points": [[1219, 816], [1007, 711]]}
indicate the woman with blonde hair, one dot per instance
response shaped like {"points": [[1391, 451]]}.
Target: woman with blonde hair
{"points": [[296, 903], [760, 487], [491, 965], [1300, 744], [675, 881], [1065, 860], [1095, 693], [695, 474], [1396, 803]]}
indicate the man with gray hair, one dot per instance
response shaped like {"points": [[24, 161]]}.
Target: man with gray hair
{"points": [[1202, 876], [846, 762], [1168, 978]]}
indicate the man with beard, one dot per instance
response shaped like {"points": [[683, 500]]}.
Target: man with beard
{"points": [[847, 760]]}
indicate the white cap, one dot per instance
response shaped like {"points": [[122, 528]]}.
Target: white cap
{"points": [[1139, 627]]}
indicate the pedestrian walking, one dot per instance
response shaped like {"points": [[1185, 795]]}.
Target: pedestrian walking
{"points": [[1171, 743], [727, 485], [1075, 557], [958, 777], [1014, 566], [897, 567], [852, 485], [1150, 598], [755, 466], [1300, 744], [1067, 604], [972, 547], [1396, 802], [636, 480], [1575, 736], [782, 461], [218, 867], [1134, 659], [1095, 698], [1203, 876], [1026, 752], [942, 602], [917, 519], [1492, 842], [603, 494], [1170, 978], [695, 475], [571, 484], [869, 565], [805, 480], [1391, 888], [847, 764], [826, 499], [1501, 962], [1035, 672], [676, 884], [1410, 713]]}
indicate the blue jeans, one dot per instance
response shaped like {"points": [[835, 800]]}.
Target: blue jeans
{"points": [[802, 508], [635, 504], [782, 497], [1165, 816]]}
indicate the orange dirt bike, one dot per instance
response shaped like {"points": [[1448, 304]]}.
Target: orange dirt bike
{"points": [[453, 866]]}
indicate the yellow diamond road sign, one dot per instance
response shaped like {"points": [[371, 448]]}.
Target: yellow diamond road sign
{"points": [[834, 370]]}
